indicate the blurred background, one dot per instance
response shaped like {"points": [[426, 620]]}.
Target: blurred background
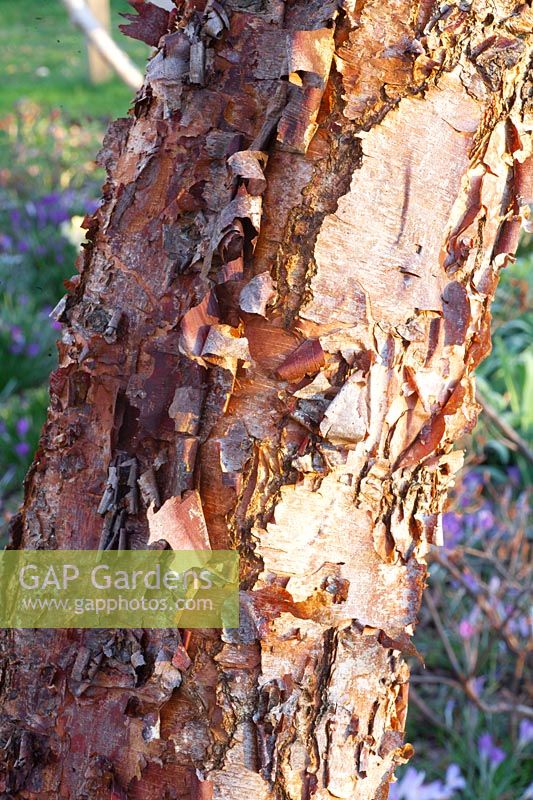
{"points": [[470, 716]]}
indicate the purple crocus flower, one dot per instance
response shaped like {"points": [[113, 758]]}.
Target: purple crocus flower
{"points": [[513, 474], [454, 779], [525, 732], [451, 525], [466, 629], [485, 519], [22, 449], [490, 751], [17, 334], [23, 426], [472, 481], [50, 199], [15, 217], [411, 786], [33, 349], [521, 626], [470, 581], [59, 215], [52, 209]]}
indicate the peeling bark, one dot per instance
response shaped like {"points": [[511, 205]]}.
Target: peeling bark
{"points": [[270, 347]]}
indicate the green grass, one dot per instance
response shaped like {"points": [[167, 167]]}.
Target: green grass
{"points": [[38, 33]]}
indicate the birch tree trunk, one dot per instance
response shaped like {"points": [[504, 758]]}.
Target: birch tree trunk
{"points": [[278, 312]]}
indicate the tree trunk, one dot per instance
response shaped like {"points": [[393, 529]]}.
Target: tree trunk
{"points": [[280, 305]]}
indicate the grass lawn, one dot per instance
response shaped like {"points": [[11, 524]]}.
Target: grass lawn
{"points": [[43, 59]]}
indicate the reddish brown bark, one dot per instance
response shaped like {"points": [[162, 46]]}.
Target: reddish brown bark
{"points": [[280, 305]]}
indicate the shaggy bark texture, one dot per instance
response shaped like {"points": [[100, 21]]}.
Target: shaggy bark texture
{"points": [[271, 342]]}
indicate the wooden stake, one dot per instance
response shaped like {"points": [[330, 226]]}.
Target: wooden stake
{"points": [[99, 69], [83, 17]]}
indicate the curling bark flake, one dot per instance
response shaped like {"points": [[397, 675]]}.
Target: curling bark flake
{"points": [[270, 347]]}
